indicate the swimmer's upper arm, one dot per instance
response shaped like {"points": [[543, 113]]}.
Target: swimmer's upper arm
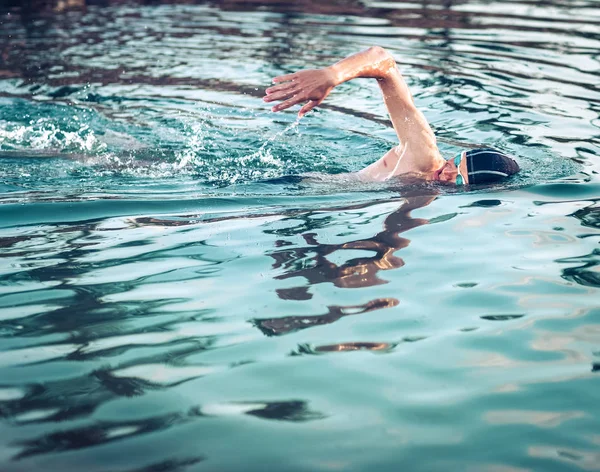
{"points": [[417, 140]]}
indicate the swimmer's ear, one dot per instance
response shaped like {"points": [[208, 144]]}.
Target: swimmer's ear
{"points": [[308, 107]]}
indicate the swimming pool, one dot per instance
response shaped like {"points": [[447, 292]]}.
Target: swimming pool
{"points": [[167, 303]]}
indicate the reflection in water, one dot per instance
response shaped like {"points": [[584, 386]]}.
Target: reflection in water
{"points": [[484, 203], [104, 432], [354, 273], [501, 317], [344, 347], [291, 410], [172, 465], [76, 397], [354, 347], [588, 273], [289, 324], [285, 411], [98, 434], [589, 216]]}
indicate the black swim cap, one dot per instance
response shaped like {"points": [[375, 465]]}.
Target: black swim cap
{"points": [[486, 165]]}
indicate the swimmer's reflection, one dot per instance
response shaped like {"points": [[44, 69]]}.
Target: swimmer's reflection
{"points": [[380, 347], [288, 324], [356, 272], [586, 273]]}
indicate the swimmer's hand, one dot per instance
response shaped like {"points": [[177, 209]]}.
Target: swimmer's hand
{"points": [[310, 87]]}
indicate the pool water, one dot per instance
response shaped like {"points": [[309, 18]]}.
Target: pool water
{"points": [[171, 300]]}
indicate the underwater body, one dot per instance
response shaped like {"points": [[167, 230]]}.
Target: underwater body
{"points": [[174, 296]]}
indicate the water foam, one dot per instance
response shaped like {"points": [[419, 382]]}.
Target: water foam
{"points": [[47, 134]]}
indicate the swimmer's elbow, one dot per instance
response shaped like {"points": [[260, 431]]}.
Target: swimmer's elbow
{"points": [[382, 57], [379, 53]]}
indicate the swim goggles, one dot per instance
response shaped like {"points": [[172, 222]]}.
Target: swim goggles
{"points": [[459, 178]]}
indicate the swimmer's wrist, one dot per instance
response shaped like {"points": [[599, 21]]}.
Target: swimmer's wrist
{"points": [[336, 74]]}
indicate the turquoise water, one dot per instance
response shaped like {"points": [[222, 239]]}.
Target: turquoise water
{"points": [[167, 303]]}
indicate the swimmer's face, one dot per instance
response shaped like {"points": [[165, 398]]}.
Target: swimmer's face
{"points": [[449, 172]]}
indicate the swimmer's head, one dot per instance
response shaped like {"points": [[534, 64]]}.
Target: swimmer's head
{"points": [[478, 166], [486, 166]]}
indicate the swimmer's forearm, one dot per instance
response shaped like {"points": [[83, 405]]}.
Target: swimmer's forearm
{"points": [[377, 63], [372, 63]]}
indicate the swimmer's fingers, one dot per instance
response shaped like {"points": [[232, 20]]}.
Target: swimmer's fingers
{"points": [[308, 107], [288, 103], [284, 78], [280, 87], [281, 94]]}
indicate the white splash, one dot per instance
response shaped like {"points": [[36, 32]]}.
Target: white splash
{"points": [[195, 143], [45, 134], [264, 155]]}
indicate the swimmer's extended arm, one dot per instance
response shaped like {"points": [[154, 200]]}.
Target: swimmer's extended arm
{"points": [[417, 151], [314, 85]]}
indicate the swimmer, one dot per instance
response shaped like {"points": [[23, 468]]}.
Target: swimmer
{"points": [[417, 154]]}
